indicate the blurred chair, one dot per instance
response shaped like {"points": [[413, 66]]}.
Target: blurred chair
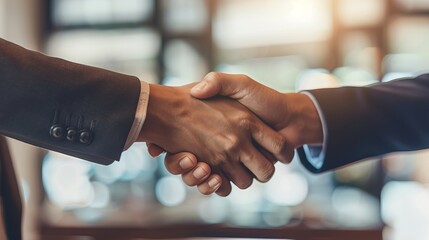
{"points": [[11, 206]]}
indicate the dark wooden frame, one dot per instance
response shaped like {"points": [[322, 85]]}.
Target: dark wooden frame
{"points": [[206, 231]]}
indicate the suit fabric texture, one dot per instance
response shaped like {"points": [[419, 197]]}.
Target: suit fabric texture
{"points": [[370, 121], [82, 111], [70, 108]]}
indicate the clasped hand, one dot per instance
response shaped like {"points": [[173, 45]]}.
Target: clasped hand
{"points": [[225, 138]]}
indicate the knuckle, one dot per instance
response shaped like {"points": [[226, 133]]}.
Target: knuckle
{"points": [[266, 173], [245, 184], [243, 78], [219, 160], [280, 145], [244, 120], [232, 145], [289, 156], [212, 76], [246, 81]]}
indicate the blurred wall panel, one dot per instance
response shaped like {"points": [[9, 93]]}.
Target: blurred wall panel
{"points": [[106, 49], [93, 12]]}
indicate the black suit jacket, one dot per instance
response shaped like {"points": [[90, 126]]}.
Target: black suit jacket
{"points": [[78, 110], [370, 121]]}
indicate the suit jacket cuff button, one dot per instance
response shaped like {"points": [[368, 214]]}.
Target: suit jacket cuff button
{"points": [[71, 135], [57, 132], [85, 137]]}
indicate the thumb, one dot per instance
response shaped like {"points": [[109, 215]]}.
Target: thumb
{"points": [[216, 83], [261, 100], [205, 89]]}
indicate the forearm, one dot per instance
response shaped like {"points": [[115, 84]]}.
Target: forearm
{"points": [[164, 108]]}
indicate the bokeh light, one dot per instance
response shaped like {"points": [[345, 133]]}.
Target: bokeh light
{"points": [[287, 188], [404, 209], [170, 191], [66, 181]]}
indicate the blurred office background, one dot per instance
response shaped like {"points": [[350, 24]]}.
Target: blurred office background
{"points": [[289, 45]]}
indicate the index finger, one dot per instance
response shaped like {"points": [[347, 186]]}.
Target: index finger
{"points": [[273, 142]]}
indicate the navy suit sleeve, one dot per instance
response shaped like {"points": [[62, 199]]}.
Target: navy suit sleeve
{"points": [[78, 110], [370, 121]]}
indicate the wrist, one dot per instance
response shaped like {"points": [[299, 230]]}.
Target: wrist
{"points": [[163, 104], [304, 119]]}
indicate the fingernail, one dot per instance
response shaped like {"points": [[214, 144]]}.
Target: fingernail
{"points": [[199, 87], [213, 183], [185, 163], [199, 173]]}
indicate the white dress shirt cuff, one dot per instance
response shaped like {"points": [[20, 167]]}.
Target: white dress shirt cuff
{"points": [[140, 115], [316, 153]]}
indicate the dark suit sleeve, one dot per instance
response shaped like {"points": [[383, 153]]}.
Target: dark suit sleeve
{"points": [[371, 121], [74, 109]]}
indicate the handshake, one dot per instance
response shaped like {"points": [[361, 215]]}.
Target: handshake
{"points": [[227, 128]]}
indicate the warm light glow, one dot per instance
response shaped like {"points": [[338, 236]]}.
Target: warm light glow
{"points": [[361, 12], [253, 23], [401, 28], [316, 78]]}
